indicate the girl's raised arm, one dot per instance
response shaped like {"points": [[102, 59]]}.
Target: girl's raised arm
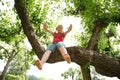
{"points": [[46, 29], [69, 29]]}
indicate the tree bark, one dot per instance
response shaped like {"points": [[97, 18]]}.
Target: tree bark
{"points": [[104, 65], [85, 73]]}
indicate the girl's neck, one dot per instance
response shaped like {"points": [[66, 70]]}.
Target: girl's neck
{"points": [[58, 32]]}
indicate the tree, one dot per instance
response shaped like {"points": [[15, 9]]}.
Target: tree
{"points": [[18, 68], [11, 55], [103, 64]]}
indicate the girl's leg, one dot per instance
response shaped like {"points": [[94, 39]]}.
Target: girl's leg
{"points": [[44, 58], [64, 53]]}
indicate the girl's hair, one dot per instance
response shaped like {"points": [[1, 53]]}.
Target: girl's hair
{"points": [[59, 26]]}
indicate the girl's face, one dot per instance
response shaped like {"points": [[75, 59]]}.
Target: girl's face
{"points": [[59, 28]]}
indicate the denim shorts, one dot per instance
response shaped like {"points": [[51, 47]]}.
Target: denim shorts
{"points": [[55, 45]]}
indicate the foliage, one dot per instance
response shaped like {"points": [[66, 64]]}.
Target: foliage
{"points": [[15, 77], [9, 26], [93, 10], [72, 74], [82, 39], [109, 37]]}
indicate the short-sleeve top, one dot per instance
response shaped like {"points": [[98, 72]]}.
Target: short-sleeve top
{"points": [[58, 37]]}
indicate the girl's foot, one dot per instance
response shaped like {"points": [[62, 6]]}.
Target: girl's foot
{"points": [[67, 58], [38, 64]]}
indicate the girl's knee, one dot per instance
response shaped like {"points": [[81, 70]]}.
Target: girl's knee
{"points": [[60, 44], [62, 50], [48, 51]]}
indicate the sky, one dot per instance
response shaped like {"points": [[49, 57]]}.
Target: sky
{"points": [[55, 70]]}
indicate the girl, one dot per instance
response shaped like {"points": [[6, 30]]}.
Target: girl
{"points": [[58, 37]]}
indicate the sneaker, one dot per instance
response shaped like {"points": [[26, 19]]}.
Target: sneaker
{"points": [[67, 58], [38, 64]]}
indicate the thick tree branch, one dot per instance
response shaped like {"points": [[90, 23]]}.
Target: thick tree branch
{"points": [[96, 31], [105, 65], [27, 27], [108, 66]]}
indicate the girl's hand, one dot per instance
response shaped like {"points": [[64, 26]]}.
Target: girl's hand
{"points": [[70, 28], [44, 26]]}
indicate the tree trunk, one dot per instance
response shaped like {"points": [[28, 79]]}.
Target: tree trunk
{"points": [[11, 56], [85, 73], [91, 46], [2, 76], [104, 65]]}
